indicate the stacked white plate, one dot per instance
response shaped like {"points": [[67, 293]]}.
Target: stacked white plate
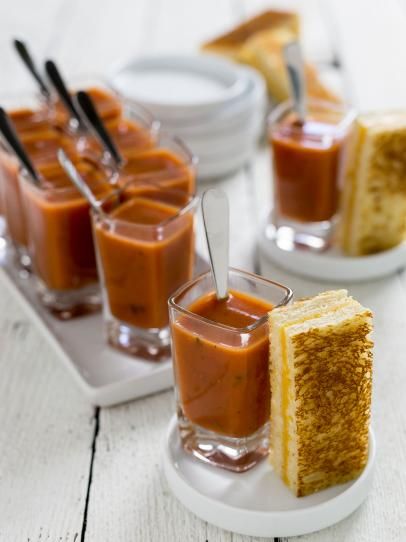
{"points": [[216, 106]]}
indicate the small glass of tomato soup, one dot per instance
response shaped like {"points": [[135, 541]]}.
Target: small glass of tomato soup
{"points": [[220, 354], [307, 163], [33, 123], [60, 237], [132, 128], [145, 243], [170, 164], [107, 102]]}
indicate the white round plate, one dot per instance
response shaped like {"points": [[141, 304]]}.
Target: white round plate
{"points": [[179, 85], [332, 265], [257, 503]]}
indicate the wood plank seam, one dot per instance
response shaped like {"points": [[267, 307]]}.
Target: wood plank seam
{"points": [[89, 482]]}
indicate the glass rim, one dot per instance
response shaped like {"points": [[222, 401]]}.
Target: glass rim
{"points": [[26, 175], [173, 304], [348, 112], [103, 217], [79, 78], [191, 158]]}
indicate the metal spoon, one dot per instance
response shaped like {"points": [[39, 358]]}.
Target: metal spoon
{"points": [[216, 219], [96, 125], [295, 67], [78, 181], [10, 135], [59, 84], [28, 61]]}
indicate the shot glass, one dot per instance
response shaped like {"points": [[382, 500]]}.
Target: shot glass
{"points": [[135, 130], [60, 239], [31, 118], [12, 207], [170, 164], [108, 104], [130, 125], [307, 163], [145, 247], [222, 374]]}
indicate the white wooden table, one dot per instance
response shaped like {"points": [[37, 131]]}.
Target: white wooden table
{"points": [[69, 472]]}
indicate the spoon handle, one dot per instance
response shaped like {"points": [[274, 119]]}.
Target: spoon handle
{"points": [[25, 56], [295, 66], [97, 125], [10, 135], [77, 180], [216, 219], [57, 80]]}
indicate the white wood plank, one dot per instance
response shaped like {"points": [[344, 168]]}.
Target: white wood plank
{"points": [[182, 25], [36, 26], [98, 33], [371, 39], [129, 496], [45, 438]]}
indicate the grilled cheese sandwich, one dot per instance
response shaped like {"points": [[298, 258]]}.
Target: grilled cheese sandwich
{"points": [[321, 374], [373, 206], [259, 43]]}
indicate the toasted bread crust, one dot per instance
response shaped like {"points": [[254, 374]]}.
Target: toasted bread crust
{"points": [[374, 194], [263, 21], [333, 386]]}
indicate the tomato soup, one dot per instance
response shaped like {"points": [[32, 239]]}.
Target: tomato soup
{"points": [[161, 166], [146, 251], [223, 376], [128, 136], [11, 199], [41, 141], [59, 226], [107, 104], [306, 163]]}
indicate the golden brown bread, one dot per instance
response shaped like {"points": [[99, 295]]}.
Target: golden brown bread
{"points": [[321, 380], [230, 43], [259, 42], [373, 206]]}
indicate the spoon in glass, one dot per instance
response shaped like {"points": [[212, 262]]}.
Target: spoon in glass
{"points": [[79, 182], [97, 127], [216, 220], [295, 67], [59, 84], [10, 135], [29, 63]]}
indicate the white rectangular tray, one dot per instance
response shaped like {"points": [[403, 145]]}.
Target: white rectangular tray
{"points": [[107, 376]]}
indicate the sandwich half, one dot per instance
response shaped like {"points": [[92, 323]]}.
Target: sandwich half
{"points": [[373, 206], [230, 43], [264, 51], [321, 381], [259, 43]]}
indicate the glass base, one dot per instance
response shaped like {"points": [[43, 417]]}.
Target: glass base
{"points": [[230, 453], [68, 304], [290, 235], [150, 344], [20, 258]]}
